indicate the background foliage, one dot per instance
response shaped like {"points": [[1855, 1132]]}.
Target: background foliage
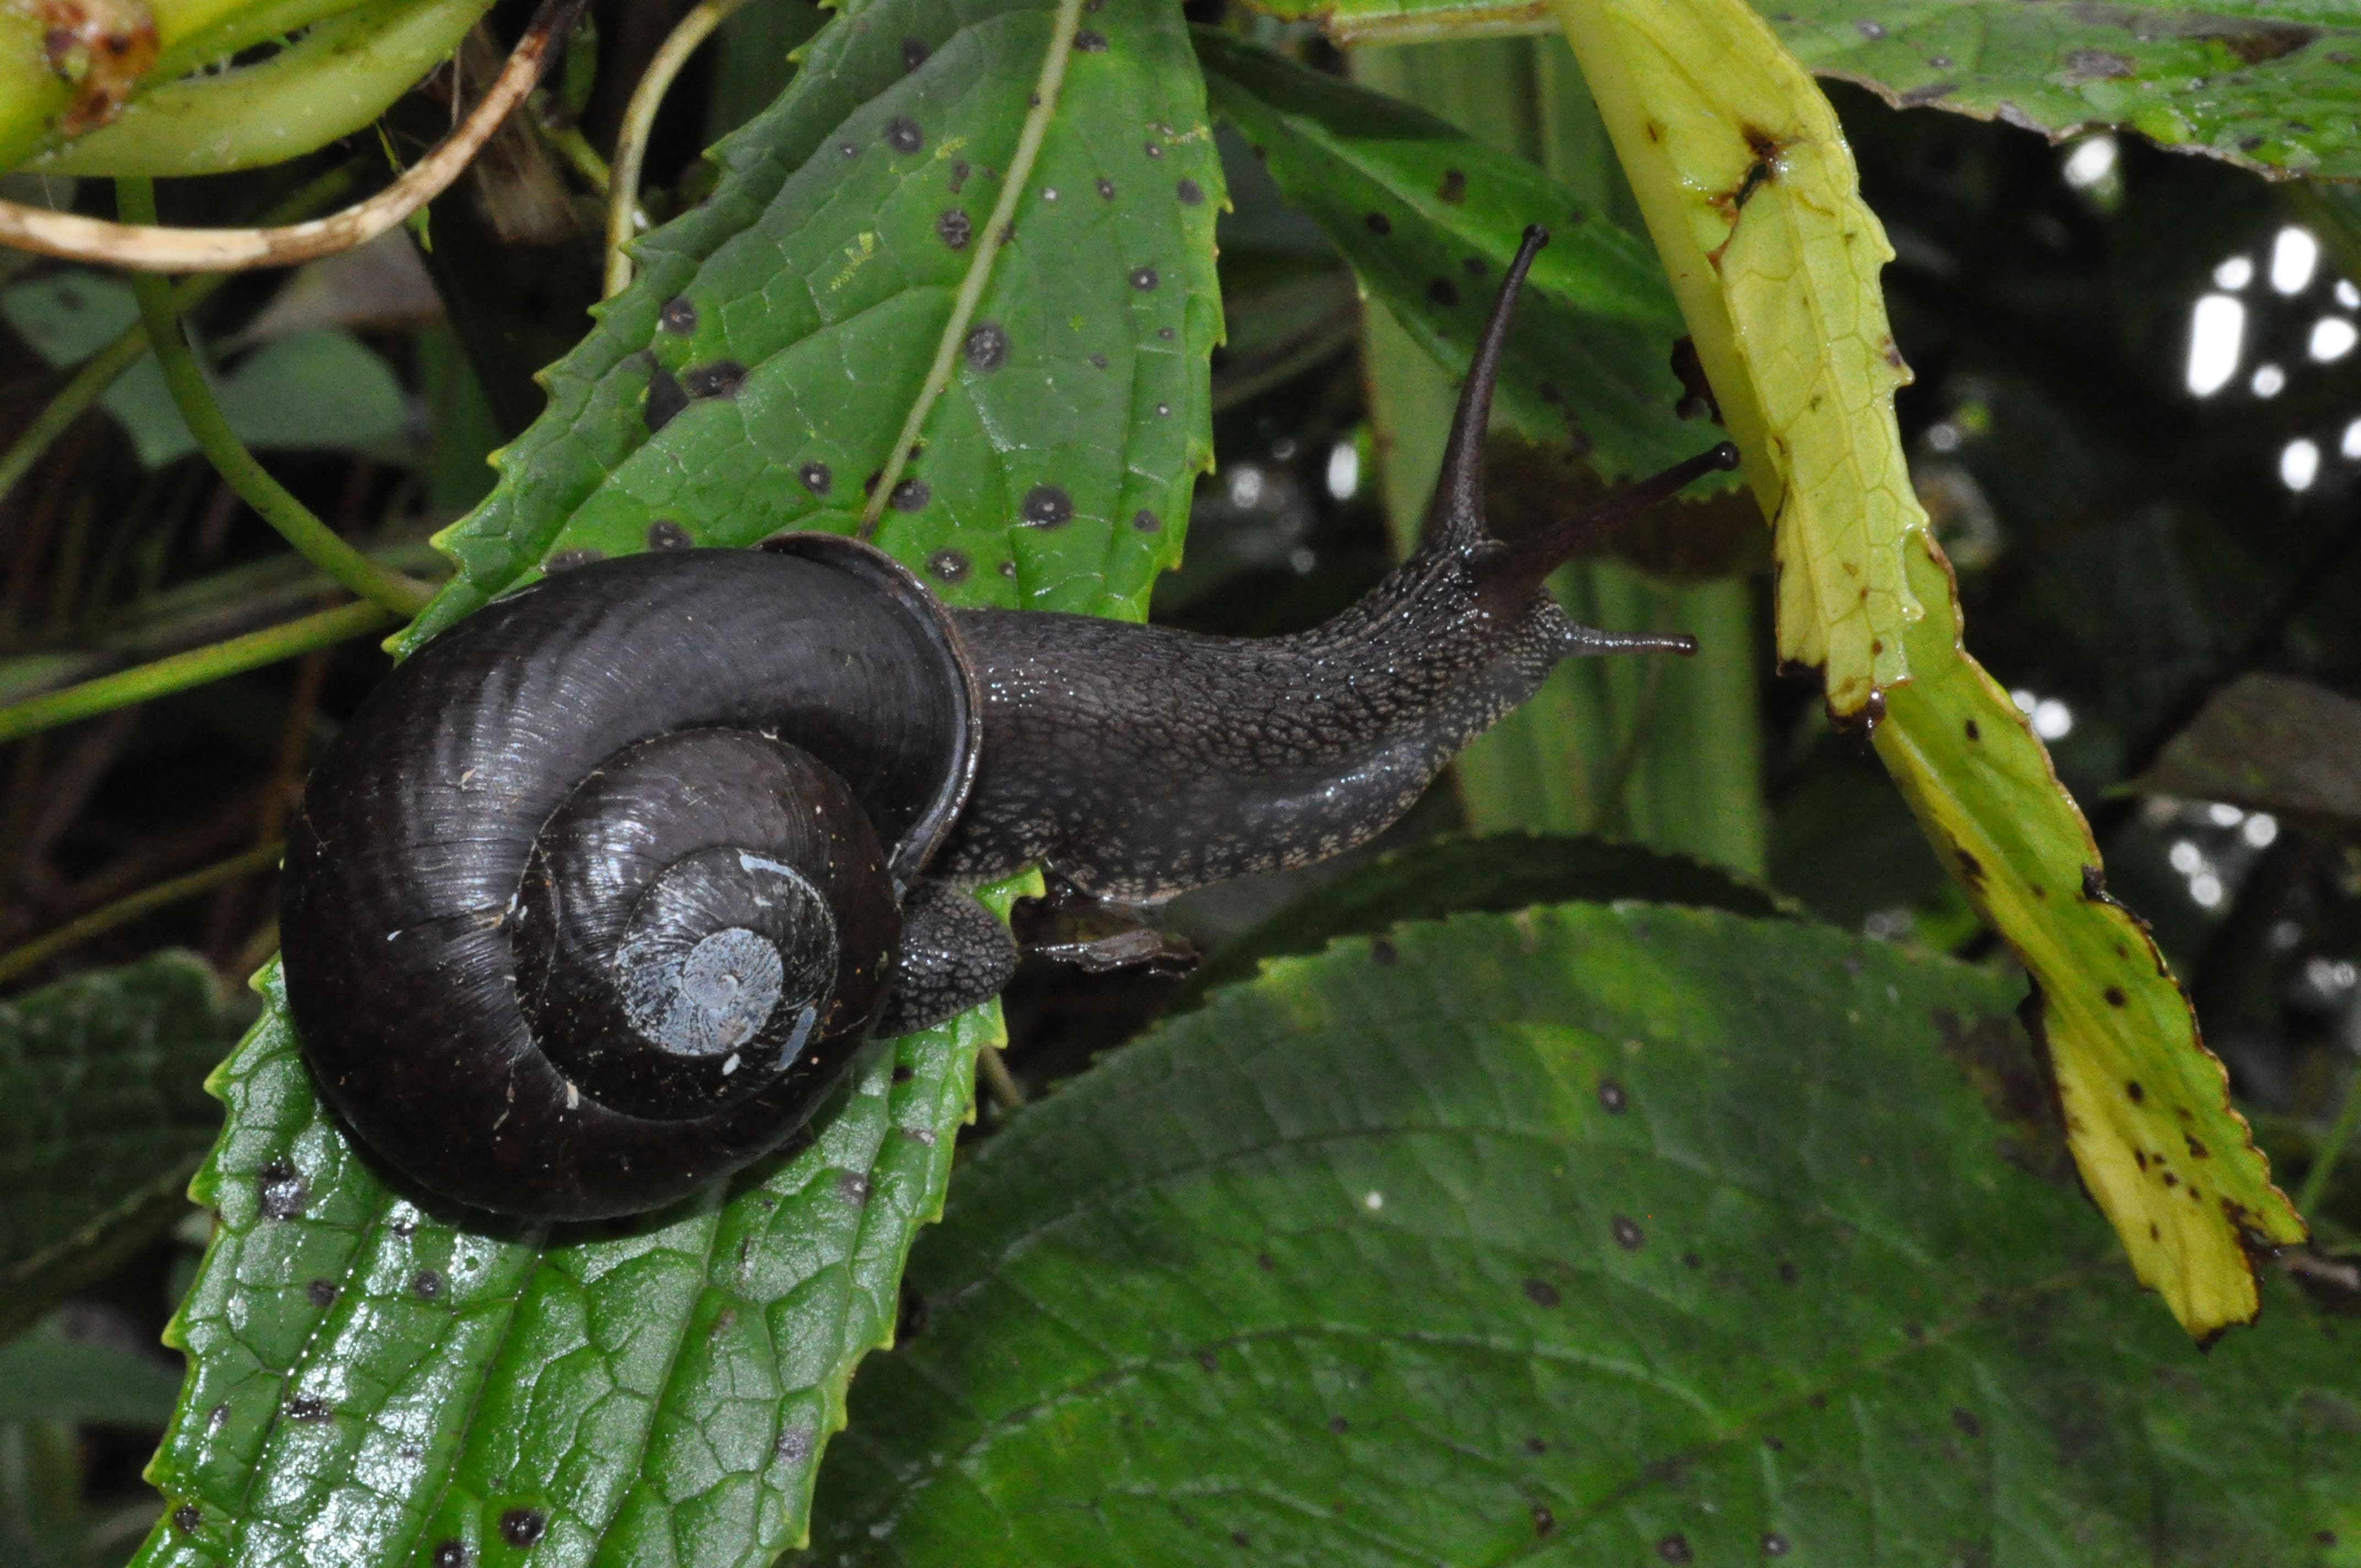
{"points": [[1704, 1233]]}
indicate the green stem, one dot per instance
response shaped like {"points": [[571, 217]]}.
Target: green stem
{"points": [[276, 505], [103, 368], [2324, 1156], [639, 122], [34, 954], [194, 668]]}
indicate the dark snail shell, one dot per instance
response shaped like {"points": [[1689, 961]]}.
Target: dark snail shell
{"points": [[598, 894]]}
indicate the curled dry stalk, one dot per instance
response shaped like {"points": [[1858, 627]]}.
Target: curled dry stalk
{"points": [[143, 249], [639, 121]]}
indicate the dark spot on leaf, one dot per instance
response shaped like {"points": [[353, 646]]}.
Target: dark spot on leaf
{"points": [[1541, 1293], [1209, 1361], [2196, 1149], [307, 1408], [1154, 150], [1239, 1538], [951, 565], [1379, 225], [1008, 570], [321, 1293], [1098, 361], [1383, 953], [426, 1285], [1191, 194], [1776, 1445], [815, 478], [903, 1073], [1787, 1274], [910, 1322], [451, 1554], [2325, 1537], [852, 1186], [796, 1444], [1443, 292], [1691, 1260], [522, 1527], [677, 315], [1871, 30], [1817, 1401], [1971, 870], [1267, 1263], [902, 134], [1536, 1445], [1454, 187], [1773, 1544], [2097, 65], [847, 149], [1612, 1098], [1089, 42], [1165, 332], [1544, 1521], [187, 1518], [1146, 521], [1144, 278], [567, 560], [1974, 733], [914, 53], [1046, 505], [987, 346], [1628, 1234], [1967, 1424], [720, 379], [280, 1190], [1674, 1548], [218, 1417], [959, 171], [2115, 998], [2094, 883], [665, 399], [664, 533], [909, 495], [954, 228], [1475, 266], [1338, 1425]]}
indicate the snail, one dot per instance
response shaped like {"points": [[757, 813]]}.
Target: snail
{"points": [[602, 888]]}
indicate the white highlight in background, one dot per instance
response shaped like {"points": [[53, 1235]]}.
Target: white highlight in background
{"points": [[2299, 464], [2333, 338], [2270, 381], [2294, 255], [1344, 470], [2233, 274], [2351, 446], [2093, 159], [2217, 332], [2348, 295]]}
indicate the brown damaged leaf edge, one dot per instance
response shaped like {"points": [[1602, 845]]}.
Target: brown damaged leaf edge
{"points": [[2146, 1107]]}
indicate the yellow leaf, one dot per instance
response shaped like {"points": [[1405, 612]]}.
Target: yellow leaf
{"points": [[2147, 1107], [1752, 197], [1749, 193]]}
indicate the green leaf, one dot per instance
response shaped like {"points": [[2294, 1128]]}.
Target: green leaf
{"points": [[48, 1376], [2269, 743], [322, 390], [1492, 873], [2266, 85], [102, 1119], [429, 1385], [1584, 1237], [809, 297], [1429, 218]]}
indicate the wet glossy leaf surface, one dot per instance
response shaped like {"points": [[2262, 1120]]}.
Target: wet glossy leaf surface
{"points": [[377, 1378], [1578, 1236], [101, 1118], [2266, 85], [757, 373], [1429, 218]]}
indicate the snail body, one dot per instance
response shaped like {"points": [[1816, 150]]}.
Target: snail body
{"points": [[599, 893]]}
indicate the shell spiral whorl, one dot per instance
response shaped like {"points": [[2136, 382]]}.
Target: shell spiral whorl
{"points": [[597, 894]]}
